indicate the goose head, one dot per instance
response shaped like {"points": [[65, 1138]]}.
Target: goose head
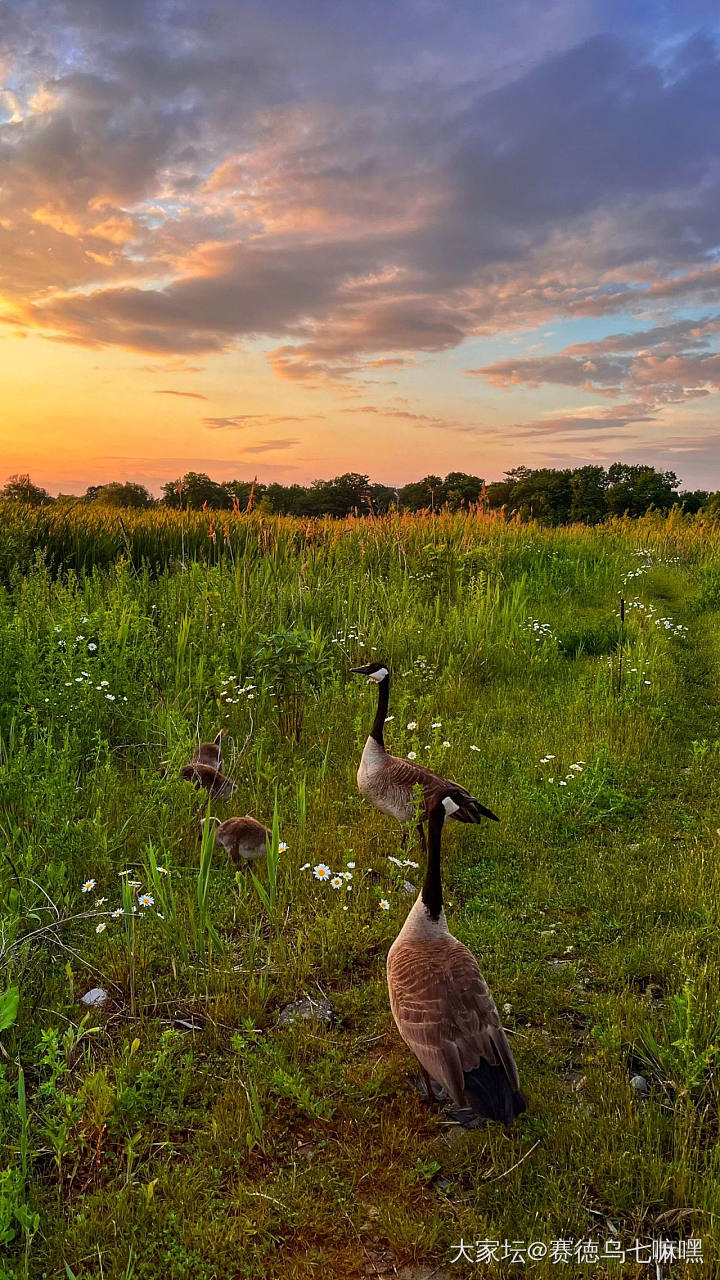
{"points": [[376, 671]]}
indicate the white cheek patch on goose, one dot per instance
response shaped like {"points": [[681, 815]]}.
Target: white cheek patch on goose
{"points": [[450, 806], [378, 675]]}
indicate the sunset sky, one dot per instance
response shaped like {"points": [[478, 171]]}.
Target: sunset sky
{"points": [[301, 237]]}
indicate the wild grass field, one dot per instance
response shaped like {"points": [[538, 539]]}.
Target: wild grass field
{"points": [[179, 1130]]}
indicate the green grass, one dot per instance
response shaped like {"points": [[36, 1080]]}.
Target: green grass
{"points": [[178, 1131]]}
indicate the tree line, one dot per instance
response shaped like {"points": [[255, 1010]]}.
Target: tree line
{"points": [[585, 495]]}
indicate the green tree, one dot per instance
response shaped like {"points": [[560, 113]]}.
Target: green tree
{"points": [[194, 491], [460, 490], [20, 488], [633, 490], [422, 494], [693, 500], [545, 494], [341, 496], [117, 494], [588, 485]]}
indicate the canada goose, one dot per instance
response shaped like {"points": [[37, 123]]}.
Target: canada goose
{"points": [[210, 752], [442, 1005], [214, 782], [245, 839], [388, 782]]}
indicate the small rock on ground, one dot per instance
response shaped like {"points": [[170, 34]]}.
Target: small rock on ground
{"points": [[639, 1084], [94, 998], [309, 1009]]}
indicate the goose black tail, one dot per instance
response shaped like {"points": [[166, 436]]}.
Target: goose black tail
{"points": [[471, 810], [490, 1093]]}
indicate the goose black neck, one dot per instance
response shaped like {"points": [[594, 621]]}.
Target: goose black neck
{"points": [[432, 886], [382, 708]]}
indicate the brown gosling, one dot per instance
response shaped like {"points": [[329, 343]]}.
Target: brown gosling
{"points": [[245, 839], [389, 783], [210, 752], [442, 1004], [217, 785]]}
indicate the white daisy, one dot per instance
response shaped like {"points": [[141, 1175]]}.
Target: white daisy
{"points": [[146, 900], [101, 927], [384, 904], [412, 755], [88, 886], [321, 871], [282, 847], [412, 724], [337, 882]]}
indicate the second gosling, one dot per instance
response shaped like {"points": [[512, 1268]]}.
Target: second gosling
{"points": [[245, 839]]}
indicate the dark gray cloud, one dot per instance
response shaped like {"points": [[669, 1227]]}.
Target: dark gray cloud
{"points": [[362, 183]]}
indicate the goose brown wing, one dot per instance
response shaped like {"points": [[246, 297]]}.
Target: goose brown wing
{"points": [[405, 773], [445, 1013]]}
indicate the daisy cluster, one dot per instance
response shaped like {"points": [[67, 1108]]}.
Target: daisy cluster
{"points": [[336, 879], [352, 635], [571, 776], [80, 643], [412, 725], [423, 669], [144, 901], [637, 605], [539, 630], [642, 568], [672, 627], [666, 624], [103, 687], [232, 692], [342, 879], [84, 681]]}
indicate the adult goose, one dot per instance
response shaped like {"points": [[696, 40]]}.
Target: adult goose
{"points": [[245, 839], [442, 1005], [210, 752], [389, 782]]}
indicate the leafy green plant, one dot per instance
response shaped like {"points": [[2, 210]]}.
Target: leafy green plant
{"points": [[9, 1002], [687, 1053], [292, 663]]}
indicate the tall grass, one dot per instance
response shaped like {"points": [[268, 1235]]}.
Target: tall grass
{"points": [[193, 1131]]}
